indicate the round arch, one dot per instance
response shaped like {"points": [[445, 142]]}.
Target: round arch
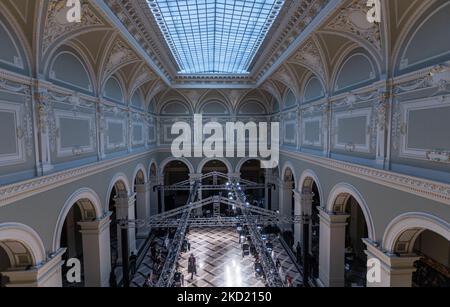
{"points": [[206, 160], [119, 177], [26, 236], [411, 28], [171, 159], [349, 54], [139, 168], [81, 194], [152, 162], [289, 165], [19, 38], [338, 198], [307, 179], [407, 227], [78, 55], [241, 163]]}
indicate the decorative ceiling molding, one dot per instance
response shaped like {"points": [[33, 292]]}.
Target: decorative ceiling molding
{"points": [[56, 24], [352, 19], [119, 56], [310, 57]]}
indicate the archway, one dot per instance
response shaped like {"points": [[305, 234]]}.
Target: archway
{"points": [[118, 205], [174, 172], [343, 227], [208, 167], [154, 181], [20, 250], [251, 170], [287, 203], [426, 237], [80, 230], [141, 203], [310, 234]]}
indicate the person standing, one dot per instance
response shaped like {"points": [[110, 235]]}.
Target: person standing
{"points": [[133, 260], [112, 279], [192, 266], [298, 251]]}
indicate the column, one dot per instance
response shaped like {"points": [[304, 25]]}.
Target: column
{"points": [[306, 209], [285, 201], [297, 225], [382, 119], [275, 196], [153, 196], [143, 201], [125, 210], [192, 178], [48, 274], [394, 271], [101, 126], [44, 125], [326, 128], [96, 251], [161, 192], [266, 188], [143, 206], [332, 249]]}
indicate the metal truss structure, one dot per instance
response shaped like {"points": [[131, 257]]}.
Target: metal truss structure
{"points": [[252, 217], [186, 185], [169, 268], [270, 269]]}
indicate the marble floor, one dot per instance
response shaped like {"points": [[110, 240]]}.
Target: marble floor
{"points": [[219, 260]]}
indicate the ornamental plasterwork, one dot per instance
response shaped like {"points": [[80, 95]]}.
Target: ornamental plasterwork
{"points": [[143, 75], [235, 96], [57, 24], [269, 86], [193, 96], [417, 84], [47, 120], [74, 100], [309, 56], [15, 87], [353, 19], [27, 130], [119, 55], [285, 77]]}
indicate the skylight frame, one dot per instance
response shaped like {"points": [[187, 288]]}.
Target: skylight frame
{"points": [[215, 37]]}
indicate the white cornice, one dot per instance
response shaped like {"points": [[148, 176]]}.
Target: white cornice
{"points": [[429, 189], [17, 191]]}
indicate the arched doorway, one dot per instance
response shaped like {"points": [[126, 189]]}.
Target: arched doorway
{"points": [[141, 207], [355, 257], [424, 241], [23, 256], [251, 170], [174, 172], [82, 230], [343, 226], [433, 267], [153, 178], [118, 205], [209, 167], [311, 201], [287, 204]]}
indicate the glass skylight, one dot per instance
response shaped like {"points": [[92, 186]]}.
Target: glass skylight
{"points": [[215, 36]]}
